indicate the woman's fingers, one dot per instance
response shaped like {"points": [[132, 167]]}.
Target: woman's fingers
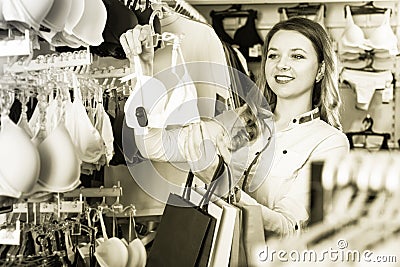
{"points": [[135, 40]]}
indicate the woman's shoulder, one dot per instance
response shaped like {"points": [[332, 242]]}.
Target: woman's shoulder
{"points": [[332, 134]]}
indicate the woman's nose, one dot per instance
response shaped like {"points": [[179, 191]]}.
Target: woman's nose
{"points": [[283, 64]]}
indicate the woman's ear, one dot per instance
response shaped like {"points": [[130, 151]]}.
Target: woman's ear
{"points": [[321, 72]]}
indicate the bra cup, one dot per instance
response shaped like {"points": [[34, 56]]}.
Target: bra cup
{"points": [[180, 108], [60, 164], [27, 11], [19, 158], [353, 35], [57, 15], [74, 15], [154, 99], [3, 24], [112, 252], [137, 255], [86, 139], [383, 37], [119, 19], [91, 25]]}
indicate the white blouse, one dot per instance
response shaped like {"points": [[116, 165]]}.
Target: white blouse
{"points": [[279, 181]]}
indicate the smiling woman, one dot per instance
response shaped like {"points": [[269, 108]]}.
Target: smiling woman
{"points": [[299, 81]]}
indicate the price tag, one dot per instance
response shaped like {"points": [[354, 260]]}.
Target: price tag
{"points": [[387, 94], [71, 206], [255, 50], [11, 235], [20, 208], [47, 207]]}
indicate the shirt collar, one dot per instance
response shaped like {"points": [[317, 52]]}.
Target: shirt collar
{"points": [[304, 118], [307, 116]]}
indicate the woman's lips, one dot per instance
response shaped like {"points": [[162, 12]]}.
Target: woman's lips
{"points": [[282, 79]]}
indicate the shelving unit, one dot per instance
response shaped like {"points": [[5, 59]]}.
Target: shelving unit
{"points": [[250, 2]]}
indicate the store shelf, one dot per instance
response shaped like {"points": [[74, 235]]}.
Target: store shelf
{"points": [[249, 2]]}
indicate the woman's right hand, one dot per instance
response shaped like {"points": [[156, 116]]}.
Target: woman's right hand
{"points": [[139, 42]]}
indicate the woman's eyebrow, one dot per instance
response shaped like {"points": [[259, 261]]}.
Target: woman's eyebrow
{"points": [[298, 49], [293, 49]]}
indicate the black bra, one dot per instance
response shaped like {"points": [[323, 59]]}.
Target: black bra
{"points": [[246, 36], [121, 18]]}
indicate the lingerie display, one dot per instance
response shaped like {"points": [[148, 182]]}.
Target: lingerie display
{"points": [[77, 189]]}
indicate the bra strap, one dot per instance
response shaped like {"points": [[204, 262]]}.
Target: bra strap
{"points": [[103, 226], [283, 16], [349, 16], [319, 18], [177, 51], [76, 87]]}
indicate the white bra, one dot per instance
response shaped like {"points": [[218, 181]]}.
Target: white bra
{"points": [[86, 138], [19, 160], [115, 252], [172, 106], [60, 163]]}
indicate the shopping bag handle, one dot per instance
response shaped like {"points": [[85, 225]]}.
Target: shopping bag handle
{"points": [[203, 204]]}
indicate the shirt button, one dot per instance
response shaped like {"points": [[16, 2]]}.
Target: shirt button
{"points": [[284, 151], [294, 120]]}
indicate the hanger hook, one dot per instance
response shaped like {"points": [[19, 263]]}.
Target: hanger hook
{"points": [[368, 122]]}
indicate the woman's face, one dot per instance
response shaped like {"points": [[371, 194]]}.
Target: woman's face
{"points": [[291, 65]]}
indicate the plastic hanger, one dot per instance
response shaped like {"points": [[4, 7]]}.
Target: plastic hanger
{"points": [[302, 9], [369, 132], [365, 9], [234, 11]]}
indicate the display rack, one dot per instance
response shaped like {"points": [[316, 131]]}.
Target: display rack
{"points": [[17, 46], [57, 60], [115, 191]]}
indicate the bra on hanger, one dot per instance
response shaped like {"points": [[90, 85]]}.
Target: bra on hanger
{"points": [[245, 37], [19, 160], [173, 106], [304, 10], [91, 24], [86, 138], [119, 19], [60, 163], [25, 14], [381, 38]]}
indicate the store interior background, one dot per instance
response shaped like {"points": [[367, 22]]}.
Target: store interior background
{"points": [[386, 116]]}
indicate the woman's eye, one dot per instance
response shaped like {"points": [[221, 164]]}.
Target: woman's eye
{"points": [[298, 56], [272, 56]]}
